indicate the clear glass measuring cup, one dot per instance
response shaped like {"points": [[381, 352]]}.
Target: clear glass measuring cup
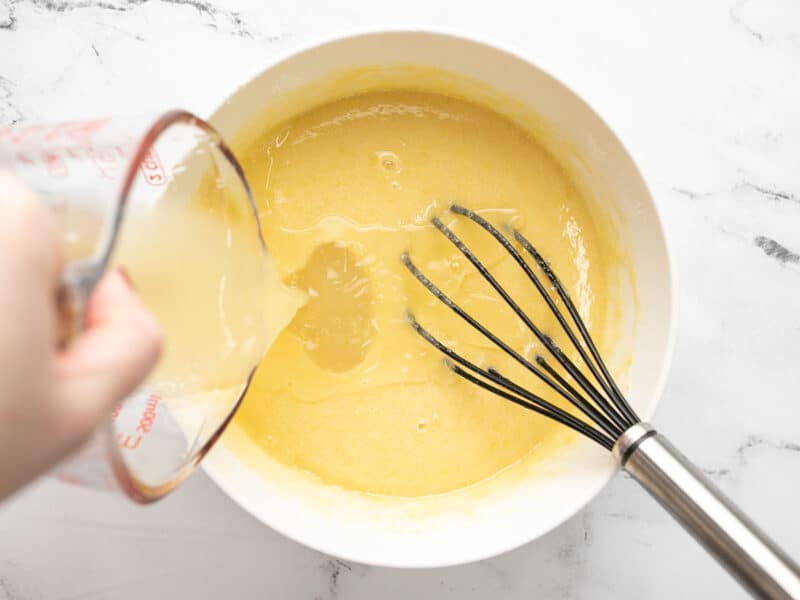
{"points": [[165, 198]]}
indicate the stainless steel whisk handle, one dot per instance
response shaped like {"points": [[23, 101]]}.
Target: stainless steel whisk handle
{"points": [[696, 503], [77, 282]]}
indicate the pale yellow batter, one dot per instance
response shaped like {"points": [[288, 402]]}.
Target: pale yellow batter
{"points": [[349, 392]]}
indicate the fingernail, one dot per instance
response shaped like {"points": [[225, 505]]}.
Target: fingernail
{"points": [[124, 274]]}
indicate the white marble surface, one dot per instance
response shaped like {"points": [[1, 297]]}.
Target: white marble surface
{"points": [[706, 97]]}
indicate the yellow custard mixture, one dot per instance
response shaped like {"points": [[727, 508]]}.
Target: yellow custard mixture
{"points": [[349, 392]]}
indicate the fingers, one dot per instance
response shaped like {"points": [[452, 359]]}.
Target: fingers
{"points": [[111, 358]]}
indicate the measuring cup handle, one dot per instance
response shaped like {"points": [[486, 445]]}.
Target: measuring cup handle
{"points": [[77, 283]]}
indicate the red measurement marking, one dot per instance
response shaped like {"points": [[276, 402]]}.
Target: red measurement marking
{"points": [[77, 131], [17, 135], [148, 416], [73, 479], [152, 169], [24, 159], [73, 153], [131, 441], [106, 160], [126, 442], [55, 164]]}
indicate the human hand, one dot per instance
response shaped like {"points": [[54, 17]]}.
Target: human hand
{"points": [[52, 398]]}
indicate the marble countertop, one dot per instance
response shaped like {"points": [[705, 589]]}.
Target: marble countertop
{"points": [[705, 95]]}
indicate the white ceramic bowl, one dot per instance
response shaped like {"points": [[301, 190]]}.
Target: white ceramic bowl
{"points": [[481, 523]]}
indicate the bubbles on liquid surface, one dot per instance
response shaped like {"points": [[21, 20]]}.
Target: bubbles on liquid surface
{"points": [[389, 161]]}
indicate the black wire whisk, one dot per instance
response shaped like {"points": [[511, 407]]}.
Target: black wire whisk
{"points": [[605, 416]]}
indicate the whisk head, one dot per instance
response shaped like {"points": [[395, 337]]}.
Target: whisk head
{"points": [[604, 412]]}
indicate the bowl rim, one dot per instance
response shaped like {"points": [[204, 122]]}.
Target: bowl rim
{"points": [[527, 535]]}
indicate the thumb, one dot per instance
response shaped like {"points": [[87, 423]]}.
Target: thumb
{"points": [[107, 361]]}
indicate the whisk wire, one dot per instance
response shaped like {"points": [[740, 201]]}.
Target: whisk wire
{"points": [[616, 395], [525, 393], [565, 419], [447, 301], [586, 407], [546, 341], [607, 412], [512, 391], [603, 377], [505, 242]]}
